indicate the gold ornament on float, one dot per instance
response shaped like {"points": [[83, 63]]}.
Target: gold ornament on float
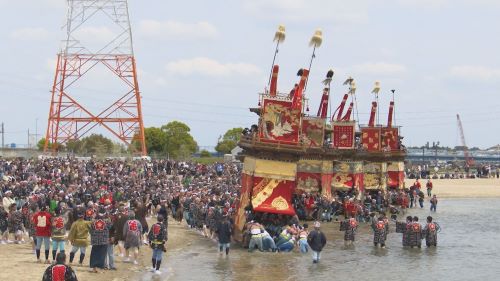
{"points": [[279, 203]]}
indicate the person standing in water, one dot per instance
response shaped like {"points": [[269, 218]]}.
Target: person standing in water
{"points": [[430, 232], [316, 241], [224, 232], [434, 202], [349, 227], [379, 232]]}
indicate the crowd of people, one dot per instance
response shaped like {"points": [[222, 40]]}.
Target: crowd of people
{"points": [[280, 233], [54, 201], [425, 171], [104, 204]]}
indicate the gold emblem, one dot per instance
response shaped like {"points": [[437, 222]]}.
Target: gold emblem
{"points": [[279, 203]]}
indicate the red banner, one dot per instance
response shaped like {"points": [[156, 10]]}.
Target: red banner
{"points": [[395, 179], [370, 137], [326, 185], [272, 196], [390, 140], [345, 181], [343, 135], [395, 174], [280, 123], [313, 130]]}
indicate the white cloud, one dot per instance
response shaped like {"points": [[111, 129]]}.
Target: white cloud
{"points": [[379, 68], [337, 11], [475, 72], [209, 67], [173, 30], [30, 34]]}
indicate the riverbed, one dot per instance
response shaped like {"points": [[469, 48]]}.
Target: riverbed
{"points": [[468, 249]]}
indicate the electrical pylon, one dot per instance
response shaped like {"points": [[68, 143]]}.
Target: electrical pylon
{"points": [[69, 119]]}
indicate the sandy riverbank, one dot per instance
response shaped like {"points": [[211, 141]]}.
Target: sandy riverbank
{"points": [[463, 188], [19, 263]]}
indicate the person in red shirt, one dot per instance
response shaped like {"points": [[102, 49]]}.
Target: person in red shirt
{"points": [[349, 208], [429, 187], [42, 223], [417, 184], [309, 204]]}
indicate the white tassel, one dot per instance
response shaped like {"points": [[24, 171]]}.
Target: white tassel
{"points": [[376, 89], [317, 38], [352, 88], [279, 36]]}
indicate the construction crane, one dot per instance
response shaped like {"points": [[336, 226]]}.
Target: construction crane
{"points": [[469, 161]]}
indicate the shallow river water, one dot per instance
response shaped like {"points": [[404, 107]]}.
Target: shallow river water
{"points": [[468, 249]]}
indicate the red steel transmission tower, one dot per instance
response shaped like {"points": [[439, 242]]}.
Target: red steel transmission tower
{"points": [[68, 118], [469, 161]]}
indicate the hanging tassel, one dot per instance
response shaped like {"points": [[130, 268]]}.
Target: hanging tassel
{"points": [[316, 39], [279, 36]]}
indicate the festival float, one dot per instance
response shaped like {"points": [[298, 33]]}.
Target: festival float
{"points": [[290, 151]]}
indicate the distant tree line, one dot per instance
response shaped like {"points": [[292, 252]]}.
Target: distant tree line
{"points": [[92, 145], [173, 140]]}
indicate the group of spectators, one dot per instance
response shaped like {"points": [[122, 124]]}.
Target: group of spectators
{"points": [[56, 200], [479, 171], [68, 199]]}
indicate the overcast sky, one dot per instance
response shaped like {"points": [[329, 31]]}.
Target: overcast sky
{"points": [[203, 62]]}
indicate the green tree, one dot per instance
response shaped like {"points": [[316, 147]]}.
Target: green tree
{"points": [[156, 140], [229, 141], [41, 144], [93, 144], [74, 146], [179, 142], [205, 154]]}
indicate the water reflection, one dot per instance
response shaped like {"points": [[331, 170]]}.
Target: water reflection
{"points": [[467, 250]]}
